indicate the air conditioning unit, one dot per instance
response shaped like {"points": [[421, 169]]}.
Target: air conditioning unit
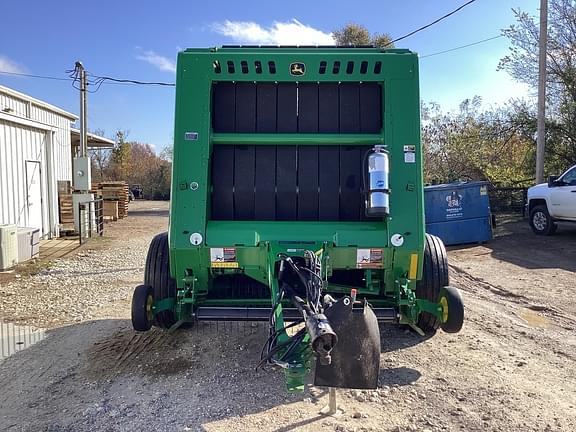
{"points": [[8, 246], [28, 244]]}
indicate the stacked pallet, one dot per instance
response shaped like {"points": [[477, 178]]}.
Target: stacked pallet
{"points": [[65, 206], [115, 191]]}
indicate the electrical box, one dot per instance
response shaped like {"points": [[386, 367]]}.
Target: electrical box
{"points": [[82, 174], [8, 246]]}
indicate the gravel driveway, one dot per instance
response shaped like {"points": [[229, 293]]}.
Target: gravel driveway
{"points": [[510, 369]]}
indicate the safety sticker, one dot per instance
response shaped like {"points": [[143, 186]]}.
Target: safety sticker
{"points": [[483, 190], [409, 154], [223, 258], [369, 258]]}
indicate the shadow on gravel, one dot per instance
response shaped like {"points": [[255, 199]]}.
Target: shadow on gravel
{"points": [[102, 375], [517, 244]]}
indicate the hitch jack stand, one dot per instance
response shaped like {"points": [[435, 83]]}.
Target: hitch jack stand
{"points": [[332, 408]]}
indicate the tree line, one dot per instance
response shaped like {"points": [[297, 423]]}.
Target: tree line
{"points": [[499, 144], [135, 163]]}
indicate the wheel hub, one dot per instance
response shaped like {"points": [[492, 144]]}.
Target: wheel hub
{"points": [[539, 220]]}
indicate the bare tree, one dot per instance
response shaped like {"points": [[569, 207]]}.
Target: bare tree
{"points": [[522, 64]]}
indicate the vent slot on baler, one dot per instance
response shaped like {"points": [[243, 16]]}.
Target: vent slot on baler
{"points": [[287, 182], [327, 107]]}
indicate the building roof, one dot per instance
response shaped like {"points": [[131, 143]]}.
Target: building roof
{"points": [[94, 141], [37, 102]]}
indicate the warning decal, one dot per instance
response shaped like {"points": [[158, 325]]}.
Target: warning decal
{"points": [[223, 258], [369, 258]]}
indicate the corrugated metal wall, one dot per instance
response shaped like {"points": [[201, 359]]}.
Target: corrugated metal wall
{"points": [[18, 106], [62, 153], [19, 143]]}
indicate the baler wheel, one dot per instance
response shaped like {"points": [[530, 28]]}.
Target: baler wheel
{"points": [[157, 275], [142, 302], [452, 309], [434, 278]]}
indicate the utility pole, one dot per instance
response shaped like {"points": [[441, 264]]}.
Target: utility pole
{"points": [[82, 176], [541, 139], [83, 113]]}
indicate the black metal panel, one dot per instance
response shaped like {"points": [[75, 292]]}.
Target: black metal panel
{"points": [[329, 183], [265, 183], [245, 107], [242, 313], [328, 120], [223, 104], [244, 172], [223, 182], [308, 183], [290, 107], [266, 107], [286, 170], [287, 121], [308, 107], [370, 108], [350, 183], [349, 108], [356, 357]]}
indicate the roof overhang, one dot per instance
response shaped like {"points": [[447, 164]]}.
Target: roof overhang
{"points": [[94, 141]]}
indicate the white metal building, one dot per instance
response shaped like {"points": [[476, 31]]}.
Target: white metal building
{"points": [[35, 153]]}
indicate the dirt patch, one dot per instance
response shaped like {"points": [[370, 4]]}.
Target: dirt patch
{"points": [[510, 369]]}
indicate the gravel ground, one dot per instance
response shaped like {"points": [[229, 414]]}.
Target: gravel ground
{"points": [[510, 369], [88, 285]]}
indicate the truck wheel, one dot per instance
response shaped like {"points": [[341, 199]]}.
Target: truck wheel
{"points": [[142, 302], [157, 275], [541, 222], [452, 309], [434, 278]]}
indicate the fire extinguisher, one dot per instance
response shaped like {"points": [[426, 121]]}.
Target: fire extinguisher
{"points": [[378, 194]]}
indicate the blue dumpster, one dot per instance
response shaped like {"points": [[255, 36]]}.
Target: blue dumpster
{"points": [[458, 213]]}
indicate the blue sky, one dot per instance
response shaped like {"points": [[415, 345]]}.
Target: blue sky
{"points": [[140, 40]]}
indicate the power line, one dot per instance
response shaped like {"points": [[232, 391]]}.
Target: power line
{"points": [[462, 46], [430, 24], [97, 81], [130, 81], [34, 76]]}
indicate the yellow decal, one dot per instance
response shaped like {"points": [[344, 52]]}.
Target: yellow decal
{"points": [[413, 266], [224, 265]]}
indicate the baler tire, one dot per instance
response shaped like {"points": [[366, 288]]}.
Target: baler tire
{"points": [[157, 275], [142, 301], [434, 278], [452, 309]]}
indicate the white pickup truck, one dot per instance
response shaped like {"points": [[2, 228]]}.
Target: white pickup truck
{"points": [[552, 201]]}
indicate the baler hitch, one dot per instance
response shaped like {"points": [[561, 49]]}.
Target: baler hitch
{"points": [[342, 334]]}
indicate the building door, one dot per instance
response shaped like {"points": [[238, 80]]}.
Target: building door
{"points": [[34, 195]]}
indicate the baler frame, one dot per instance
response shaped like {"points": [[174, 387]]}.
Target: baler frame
{"points": [[223, 123]]}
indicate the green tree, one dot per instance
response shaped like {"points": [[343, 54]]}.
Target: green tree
{"points": [[476, 145], [121, 158], [356, 34]]}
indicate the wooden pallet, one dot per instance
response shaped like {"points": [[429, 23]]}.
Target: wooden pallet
{"points": [[66, 210], [115, 191]]}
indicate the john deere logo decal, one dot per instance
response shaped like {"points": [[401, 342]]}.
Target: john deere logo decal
{"points": [[297, 69]]}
